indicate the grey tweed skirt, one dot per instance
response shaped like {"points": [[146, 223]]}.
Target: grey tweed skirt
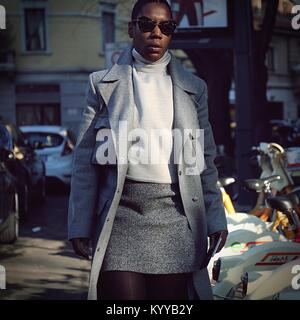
{"points": [[151, 232]]}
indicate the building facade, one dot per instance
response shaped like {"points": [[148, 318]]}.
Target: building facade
{"points": [[283, 61], [56, 44]]}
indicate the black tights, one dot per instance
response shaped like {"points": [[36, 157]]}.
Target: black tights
{"points": [[127, 285]]}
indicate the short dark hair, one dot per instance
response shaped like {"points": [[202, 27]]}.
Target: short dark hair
{"points": [[141, 3]]}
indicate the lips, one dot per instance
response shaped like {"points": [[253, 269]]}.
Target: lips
{"points": [[154, 48], [154, 45]]}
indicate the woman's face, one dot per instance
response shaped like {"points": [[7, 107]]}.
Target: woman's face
{"points": [[151, 45]]}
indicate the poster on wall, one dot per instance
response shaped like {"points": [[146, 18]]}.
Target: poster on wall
{"points": [[200, 14]]}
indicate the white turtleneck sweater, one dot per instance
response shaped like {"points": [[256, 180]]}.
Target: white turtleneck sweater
{"points": [[151, 155]]}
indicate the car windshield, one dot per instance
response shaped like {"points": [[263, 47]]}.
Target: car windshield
{"points": [[44, 139], [5, 141]]}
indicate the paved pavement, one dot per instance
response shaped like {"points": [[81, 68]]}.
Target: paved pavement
{"points": [[41, 265]]}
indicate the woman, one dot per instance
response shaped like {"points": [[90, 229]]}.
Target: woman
{"points": [[148, 219]]}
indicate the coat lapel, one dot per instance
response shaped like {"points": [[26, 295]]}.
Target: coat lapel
{"points": [[117, 92]]}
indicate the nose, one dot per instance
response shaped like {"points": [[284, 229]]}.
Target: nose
{"points": [[156, 32]]}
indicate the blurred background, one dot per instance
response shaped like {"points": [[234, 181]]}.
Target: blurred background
{"points": [[247, 51], [49, 48]]}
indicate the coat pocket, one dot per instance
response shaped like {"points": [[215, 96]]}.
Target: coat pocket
{"points": [[102, 210], [103, 202]]}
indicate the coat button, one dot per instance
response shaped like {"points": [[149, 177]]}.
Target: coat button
{"points": [[98, 249], [191, 136], [195, 199], [180, 173]]}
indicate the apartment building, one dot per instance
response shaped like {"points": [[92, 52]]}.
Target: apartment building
{"points": [[283, 61], [56, 44]]}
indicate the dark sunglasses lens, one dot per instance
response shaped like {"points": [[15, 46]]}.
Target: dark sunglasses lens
{"points": [[168, 27], [146, 26]]}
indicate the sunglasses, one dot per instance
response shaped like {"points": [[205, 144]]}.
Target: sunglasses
{"points": [[147, 25]]}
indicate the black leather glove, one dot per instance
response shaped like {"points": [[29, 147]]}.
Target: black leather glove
{"points": [[214, 239], [218, 238]]}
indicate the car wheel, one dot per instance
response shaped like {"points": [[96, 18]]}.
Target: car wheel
{"points": [[11, 232]]}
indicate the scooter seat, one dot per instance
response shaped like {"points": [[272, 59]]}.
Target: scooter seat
{"points": [[283, 203], [259, 184], [226, 181]]}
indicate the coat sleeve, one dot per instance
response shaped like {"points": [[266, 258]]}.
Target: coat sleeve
{"points": [[84, 180], [215, 213]]}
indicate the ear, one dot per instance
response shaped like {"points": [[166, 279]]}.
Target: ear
{"points": [[130, 30]]}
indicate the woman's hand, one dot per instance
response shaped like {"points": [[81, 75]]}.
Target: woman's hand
{"points": [[81, 247]]}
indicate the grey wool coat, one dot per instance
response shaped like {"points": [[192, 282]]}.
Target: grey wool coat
{"points": [[96, 189]]}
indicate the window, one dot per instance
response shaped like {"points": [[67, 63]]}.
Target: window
{"points": [[43, 114], [44, 139], [35, 29], [108, 25]]}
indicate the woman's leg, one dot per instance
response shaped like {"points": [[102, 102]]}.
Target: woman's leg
{"points": [[167, 286], [121, 285]]}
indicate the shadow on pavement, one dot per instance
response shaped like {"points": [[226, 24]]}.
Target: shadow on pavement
{"points": [[41, 264]]}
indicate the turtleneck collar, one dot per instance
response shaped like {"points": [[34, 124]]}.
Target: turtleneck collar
{"points": [[143, 65]]}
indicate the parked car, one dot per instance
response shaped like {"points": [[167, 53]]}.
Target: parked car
{"points": [[54, 145], [25, 166], [9, 213]]}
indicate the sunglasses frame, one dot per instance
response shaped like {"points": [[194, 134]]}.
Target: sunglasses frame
{"points": [[155, 23]]}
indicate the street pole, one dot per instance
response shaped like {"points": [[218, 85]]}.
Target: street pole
{"points": [[245, 99]]}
